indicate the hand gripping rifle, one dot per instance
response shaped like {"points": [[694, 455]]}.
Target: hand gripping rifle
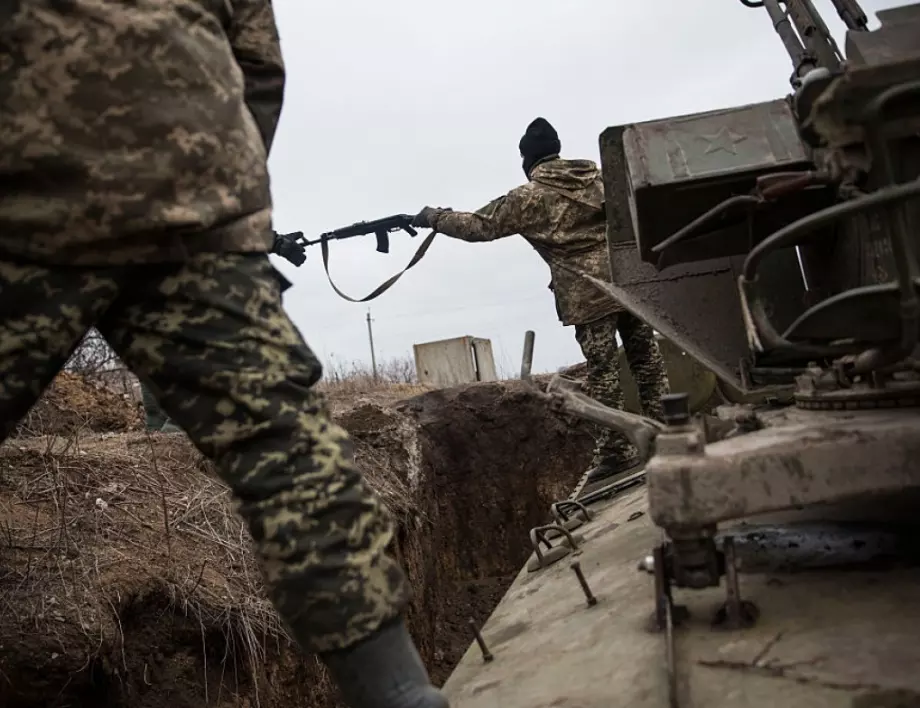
{"points": [[381, 228]]}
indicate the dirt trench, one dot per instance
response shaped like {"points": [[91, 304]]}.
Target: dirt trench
{"points": [[126, 579], [72, 404]]}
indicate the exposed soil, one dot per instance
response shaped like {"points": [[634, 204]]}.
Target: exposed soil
{"points": [[126, 579], [492, 461], [73, 404]]}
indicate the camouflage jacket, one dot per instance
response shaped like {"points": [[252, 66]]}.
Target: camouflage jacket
{"points": [[136, 131], [561, 214]]}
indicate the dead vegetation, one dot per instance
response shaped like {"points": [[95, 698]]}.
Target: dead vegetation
{"points": [[96, 532], [347, 385], [126, 578]]}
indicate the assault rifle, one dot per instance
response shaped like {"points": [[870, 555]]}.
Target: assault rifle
{"points": [[381, 228], [296, 243]]}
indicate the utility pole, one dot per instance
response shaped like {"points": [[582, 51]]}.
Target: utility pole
{"points": [[370, 336]]}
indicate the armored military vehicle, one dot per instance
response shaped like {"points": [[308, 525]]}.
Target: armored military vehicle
{"points": [[766, 555]]}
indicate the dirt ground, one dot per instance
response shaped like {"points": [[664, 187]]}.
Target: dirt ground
{"points": [[126, 580], [72, 404]]}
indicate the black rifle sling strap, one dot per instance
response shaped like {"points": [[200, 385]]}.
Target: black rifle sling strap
{"points": [[387, 284]]}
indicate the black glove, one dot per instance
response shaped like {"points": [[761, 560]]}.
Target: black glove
{"points": [[287, 246], [427, 217]]}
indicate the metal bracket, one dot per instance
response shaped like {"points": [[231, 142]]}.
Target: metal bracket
{"points": [[736, 613], [570, 522], [553, 554]]}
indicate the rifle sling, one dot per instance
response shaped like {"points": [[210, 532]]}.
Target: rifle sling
{"points": [[387, 284]]}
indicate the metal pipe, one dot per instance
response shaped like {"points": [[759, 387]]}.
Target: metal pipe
{"points": [[689, 231], [793, 233], [811, 29], [801, 62], [851, 14], [640, 431], [897, 224], [825, 33]]}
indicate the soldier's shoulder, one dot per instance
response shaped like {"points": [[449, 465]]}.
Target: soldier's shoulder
{"points": [[578, 168], [524, 191], [582, 163]]}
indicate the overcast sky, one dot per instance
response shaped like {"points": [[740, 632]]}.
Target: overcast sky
{"points": [[391, 106]]}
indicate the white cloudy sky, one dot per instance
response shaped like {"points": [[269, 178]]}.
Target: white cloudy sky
{"points": [[394, 105]]}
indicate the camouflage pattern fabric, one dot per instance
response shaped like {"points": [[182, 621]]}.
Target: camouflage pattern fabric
{"points": [[135, 198], [155, 418], [560, 212], [136, 132], [211, 340], [598, 343]]}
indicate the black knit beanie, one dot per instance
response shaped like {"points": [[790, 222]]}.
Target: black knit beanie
{"points": [[539, 142]]}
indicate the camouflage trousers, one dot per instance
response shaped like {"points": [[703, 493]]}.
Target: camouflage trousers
{"points": [[599, 345], [211, 340]]}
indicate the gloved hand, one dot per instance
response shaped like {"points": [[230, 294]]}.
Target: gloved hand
{"points": [[286, 246], [427, 217]]}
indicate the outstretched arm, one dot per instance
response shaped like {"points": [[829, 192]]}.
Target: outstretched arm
{"points": [[253, 37], [518, 212]]}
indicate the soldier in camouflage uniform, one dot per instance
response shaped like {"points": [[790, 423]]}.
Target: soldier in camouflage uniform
{"points": [[560, 212], [135, 198], [154, 417]]}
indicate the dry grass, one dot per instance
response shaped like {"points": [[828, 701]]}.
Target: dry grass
{"points": [[95, 526], [92, 526], [350, 385], [358, 377]]}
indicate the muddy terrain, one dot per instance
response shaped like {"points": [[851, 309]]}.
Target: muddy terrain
{"points": [[126, 580]]}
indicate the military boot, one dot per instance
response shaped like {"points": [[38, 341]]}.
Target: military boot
{"points": [[384, 671], [606, 472], [612, 469]]}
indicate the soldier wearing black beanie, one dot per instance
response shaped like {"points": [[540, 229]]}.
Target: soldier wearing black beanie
{"points": [[561, 213], [539, 144]]}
